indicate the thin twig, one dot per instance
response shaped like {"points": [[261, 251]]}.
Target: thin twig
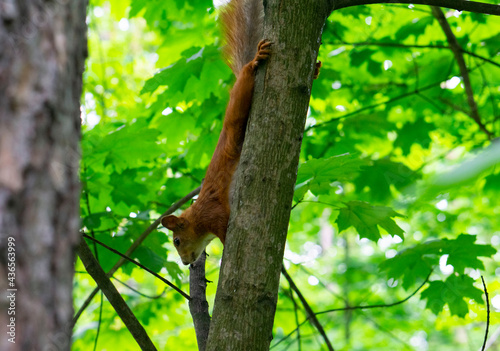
{"points": [[310, 314], [290, 334], [390, 334], [295, 310], [140, 293], [431, 102], [370, 107], [487, 315], [412, 46], [379, 305], [139, 265]]}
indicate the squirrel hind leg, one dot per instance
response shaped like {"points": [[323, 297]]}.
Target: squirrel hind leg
{"points": [[263, 52], [316, 69]]}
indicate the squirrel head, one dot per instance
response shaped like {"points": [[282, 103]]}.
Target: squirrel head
{"points": [[188, 243]]}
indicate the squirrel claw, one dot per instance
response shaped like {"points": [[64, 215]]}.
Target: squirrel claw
{"points": [[263, 52], [264, 43]]}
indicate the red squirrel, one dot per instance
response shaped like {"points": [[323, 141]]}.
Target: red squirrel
{"points": [[208, 217]]}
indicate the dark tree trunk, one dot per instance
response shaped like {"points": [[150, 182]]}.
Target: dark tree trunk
{"points": [[42, 53], [246, 297]]}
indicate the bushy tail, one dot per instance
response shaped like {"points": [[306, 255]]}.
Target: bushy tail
{"points": [[242, 25]]}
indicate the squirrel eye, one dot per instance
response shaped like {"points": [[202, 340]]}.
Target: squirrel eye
{"points": [[177, 242]]}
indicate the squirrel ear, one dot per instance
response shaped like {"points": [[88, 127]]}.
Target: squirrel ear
{"points": [[170, 222]]}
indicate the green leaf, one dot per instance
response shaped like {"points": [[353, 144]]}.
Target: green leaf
{"points": [[374, 67], [175, 77], [451, 292], [379, 177], [492, 182], [100, 221], [492, 44], [129, 146], [415, 28], [193, 77], [317, 175], [366, 219], [149, 258], [414, 133], [360, 56], [463, 253], [127, 188], [174, 271], [416, 262]]}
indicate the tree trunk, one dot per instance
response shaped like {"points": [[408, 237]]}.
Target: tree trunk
{"points": [[247, 292], [43, 48]]}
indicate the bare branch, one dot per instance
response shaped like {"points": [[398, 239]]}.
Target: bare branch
{"points": [[198, 305], [457, 52], [310, 314], [114, 297]]}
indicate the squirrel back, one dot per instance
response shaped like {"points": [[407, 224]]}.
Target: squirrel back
{"points": [[242, 27]]}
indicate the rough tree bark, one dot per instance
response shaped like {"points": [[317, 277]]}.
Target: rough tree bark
{"points": [[246, 297], [43, 48]]}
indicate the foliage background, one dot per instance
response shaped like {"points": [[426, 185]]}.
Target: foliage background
{"points": [[394, 179]]}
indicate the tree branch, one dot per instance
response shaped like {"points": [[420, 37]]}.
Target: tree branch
{"points": [[198, 305], [460, 5], [457, 52], [114, 297], [134, 246], [310, 314]]}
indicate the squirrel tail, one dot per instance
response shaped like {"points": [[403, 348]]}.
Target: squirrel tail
{"points": [[242, 26]]}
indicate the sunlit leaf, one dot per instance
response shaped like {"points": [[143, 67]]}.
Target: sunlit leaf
{"points": [[366, 218]]}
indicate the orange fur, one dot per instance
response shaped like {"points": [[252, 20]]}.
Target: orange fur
{"points": [[208, 216]]}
